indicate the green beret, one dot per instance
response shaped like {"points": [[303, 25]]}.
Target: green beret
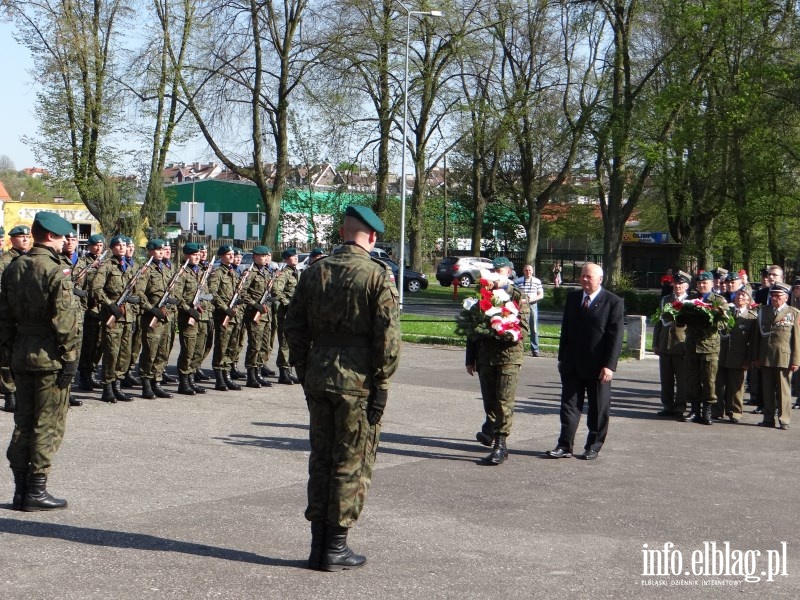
{"points": [[25, 230], [203, 246], [49, 221], [317, 252], [366, 215], [72, 234], [128, 240], [97, 238], [191, 248], [117, 239], [155, 244], [704, 276], [734, 276], [289, 252], [502, 261], [261, 250], [237, 251], [2, 231], [224, 249]]}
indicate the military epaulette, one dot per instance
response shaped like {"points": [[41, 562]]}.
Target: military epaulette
{"points": [[386, 267]]}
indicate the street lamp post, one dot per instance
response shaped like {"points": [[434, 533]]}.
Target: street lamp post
{"points": [[402, 265]]}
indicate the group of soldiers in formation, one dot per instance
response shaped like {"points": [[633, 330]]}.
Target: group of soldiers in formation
{"points": [[131, 313], [708, 370]]}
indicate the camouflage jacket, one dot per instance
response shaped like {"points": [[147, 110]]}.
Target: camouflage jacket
{"points": [[222, 285], [702, 339], [6, 258], [284, 287], [151, 288], [258, 282], [108, 284], [38, 315], [85, 281], [343, 325]]}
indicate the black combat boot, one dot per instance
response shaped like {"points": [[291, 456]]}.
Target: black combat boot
{"points": [[293, 377], [108, 394], [116, 387], [235, 373], [261, 380], [85, 381], [317, 545], [337, 556], [230, 383], [252, 382], [167, 379], [147, 390], [183, 385], [201, 375], [158, 390], [36, 497], [198, 389], [20, 475], [131, 380], [499, 452], [694, 410], [286, 376], [267, 372], [10, 402], [706, 418], [220, 387], [73, 401]]}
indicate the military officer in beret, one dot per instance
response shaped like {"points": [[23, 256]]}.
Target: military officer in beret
{"points": [[39, 339], [257, 317], [283, 290], [733, 283], [720, 275], [191, 329], [20, 244], [776, 351], [343, 332], [315, 255], [702, 353], [734, 358], [669, 344], [222, 285], [91, 347]]}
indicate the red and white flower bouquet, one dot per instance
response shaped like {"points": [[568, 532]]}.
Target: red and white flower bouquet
{"points": [[491, 313]]}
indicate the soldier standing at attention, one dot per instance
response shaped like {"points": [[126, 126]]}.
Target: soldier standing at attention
{"points": [[239, 329], [497, 362], [207, 314], [669, 344], [168, 341], [135, 313], [20, 244], [69, 256], [283, 290], [222, 285], [91, 348], [343, 333], [734, 358], [257, 318], [39, 334], [191, 331]]}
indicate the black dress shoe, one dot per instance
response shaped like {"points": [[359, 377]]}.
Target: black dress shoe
{"points": [[668, 413], [559, 453], [766, 424], [484, 439], [589, 455]]}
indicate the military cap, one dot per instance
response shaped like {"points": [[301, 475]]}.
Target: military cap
{"points": [[25, 230], [155, 244], [745, 289], [49, 221], [317, 252], [720, 273], [366, 215], [733, 276], [289, 252], [191, 248], [128, 240], [704, 276], [682, 277], [780, 288], [502, 261], [764, 272], [237, 251], [96, 238], [117, 239], [203, 246], [262, 250], [72, 234], [224, 249], [796, 282], [2, 231]]}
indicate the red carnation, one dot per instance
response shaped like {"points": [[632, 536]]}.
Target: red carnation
{"points": [[485, 304]]}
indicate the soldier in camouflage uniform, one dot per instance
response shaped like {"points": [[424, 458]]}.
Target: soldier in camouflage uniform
{"points": [[69, 257], [39, 337], [222, 285], [192, 330], [497, 362], [343, 332], [135, 312], [207, 314], [283, 290], [702, 354], [168, 341], [106, 289], [257, 317], [238, 333], [20, 244], [272, 332], [91, 346], [669, 344]]}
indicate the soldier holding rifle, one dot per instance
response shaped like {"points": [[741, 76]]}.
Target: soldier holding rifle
{"points": [[91, 348], [224, 286], [257, 317]]}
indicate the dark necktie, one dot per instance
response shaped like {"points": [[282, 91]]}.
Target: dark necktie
{"points": [[585, 305]]}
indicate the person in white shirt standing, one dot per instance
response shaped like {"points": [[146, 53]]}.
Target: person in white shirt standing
{"points": [[535, 291]]}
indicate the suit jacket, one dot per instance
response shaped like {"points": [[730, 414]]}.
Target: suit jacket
{"points": [[669, 338], [591, 339], [776, 338]]}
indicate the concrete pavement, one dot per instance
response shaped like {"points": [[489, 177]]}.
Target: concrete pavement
{"points": [[203, 497]]}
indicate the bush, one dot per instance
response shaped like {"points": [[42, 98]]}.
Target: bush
{"points": [[640, 303], [559, 296]]}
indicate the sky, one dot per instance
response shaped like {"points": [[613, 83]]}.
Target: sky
{"points": [[17, 97]]}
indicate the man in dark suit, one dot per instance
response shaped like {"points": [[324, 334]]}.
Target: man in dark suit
{"points": [[591, 341]]}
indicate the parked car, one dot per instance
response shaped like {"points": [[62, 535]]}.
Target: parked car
{"points": [[413, 281], [466, 269]]}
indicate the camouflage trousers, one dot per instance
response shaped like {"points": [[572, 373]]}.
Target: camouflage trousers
{"points": [[192, 339], [136, 343], [257, 340], [701, 378], [165, 347], [39, 422], [116, 351], [237, 343], [283, 345], [154, 340], [499, 389], [224, 338], [343, 450]]}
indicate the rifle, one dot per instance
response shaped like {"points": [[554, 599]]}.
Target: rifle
{"points": [[199, 295], [126, 293], [170, 286], [83, 272], [236, 294], [264, 296]]}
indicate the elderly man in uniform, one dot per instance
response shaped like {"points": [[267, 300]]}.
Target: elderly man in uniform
{"points": [[497, 362], [669, 344], [20, 244], [282, 291], [776, 352], [39, 338], [734, 359], [343, 332]]}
